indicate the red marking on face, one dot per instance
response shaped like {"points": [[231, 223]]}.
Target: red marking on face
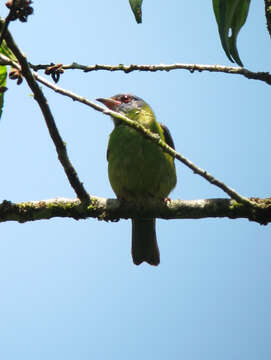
{"points": [[124, 98]]}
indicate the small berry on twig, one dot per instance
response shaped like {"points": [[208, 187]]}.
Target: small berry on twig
{"points": [[19, 9], [15, 74], [54, 70]]}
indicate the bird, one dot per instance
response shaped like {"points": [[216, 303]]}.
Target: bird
{"points": [[139, 169]]}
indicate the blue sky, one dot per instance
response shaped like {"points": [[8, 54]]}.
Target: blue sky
{"points": [[69, 288]]}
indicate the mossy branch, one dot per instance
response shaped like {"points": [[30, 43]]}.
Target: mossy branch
{"points": [[113, 210]]}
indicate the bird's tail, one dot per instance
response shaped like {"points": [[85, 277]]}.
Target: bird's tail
{"points": [[144, 243]]}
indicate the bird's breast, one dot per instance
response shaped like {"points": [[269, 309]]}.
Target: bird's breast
{"points": [[137, 167]]}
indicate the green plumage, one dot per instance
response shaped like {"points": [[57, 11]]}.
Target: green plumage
{"points": [[139, 169]]}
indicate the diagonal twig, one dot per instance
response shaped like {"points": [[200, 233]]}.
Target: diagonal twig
{"points": [[4, 60], [49, 119], [232, 193]]}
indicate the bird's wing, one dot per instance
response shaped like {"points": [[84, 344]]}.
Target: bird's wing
{"points": [[168, 137]]}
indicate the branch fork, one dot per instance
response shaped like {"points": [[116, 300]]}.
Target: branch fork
{"points": [[70, 171]]}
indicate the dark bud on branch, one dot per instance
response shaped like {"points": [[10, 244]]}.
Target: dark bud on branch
{"points": [[19, 9], [15, 74], [54, 70], [3, 89]]}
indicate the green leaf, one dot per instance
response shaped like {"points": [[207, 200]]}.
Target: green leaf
{"points": [[230, 17], [3, 80], [3, 72], [136, 8], [6, 51]]}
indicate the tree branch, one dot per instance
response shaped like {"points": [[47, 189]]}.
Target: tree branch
{"points": [[113, 210], [268, 15], [148, 134], [262, 76], [7, 21], [49, 119], [231, 192]]}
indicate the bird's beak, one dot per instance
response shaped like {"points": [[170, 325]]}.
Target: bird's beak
{"points": [[112, 104]]}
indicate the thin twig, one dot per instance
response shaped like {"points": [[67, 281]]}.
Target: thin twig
{"points": [[262, 76], [49, 119], [4, 60], [232, 193]]}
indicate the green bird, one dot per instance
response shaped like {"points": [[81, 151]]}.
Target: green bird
{"points": [[139, 169]]}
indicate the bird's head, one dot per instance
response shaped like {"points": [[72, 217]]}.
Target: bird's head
{"points": [[138, 110], [123, 103]]}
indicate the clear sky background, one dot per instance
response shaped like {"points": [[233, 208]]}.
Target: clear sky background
{"points": [[69, 289]]}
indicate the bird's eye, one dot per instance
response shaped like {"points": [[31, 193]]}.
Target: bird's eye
{"points": [[125, 99]]}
